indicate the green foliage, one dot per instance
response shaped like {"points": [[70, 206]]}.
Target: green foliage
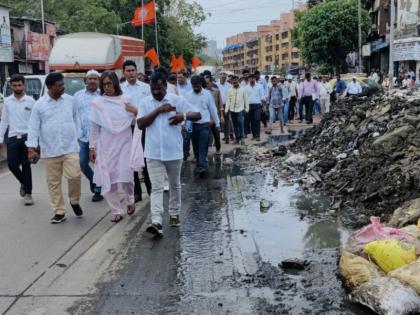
{"points": [[329, 32], [176, 19]]}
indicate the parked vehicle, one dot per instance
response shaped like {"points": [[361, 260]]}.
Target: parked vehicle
{"points": [[81, 52]]}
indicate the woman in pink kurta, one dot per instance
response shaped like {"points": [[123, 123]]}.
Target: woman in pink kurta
{"points": [[111, 144]]}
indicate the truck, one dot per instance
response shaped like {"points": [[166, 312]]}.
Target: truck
{"points": [[75, 54], [84, 51]]}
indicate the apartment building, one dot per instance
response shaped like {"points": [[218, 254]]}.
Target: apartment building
{"points": [[271, 49]]}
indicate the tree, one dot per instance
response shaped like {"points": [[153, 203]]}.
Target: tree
{"points": [[176, 20], [329, 32]]}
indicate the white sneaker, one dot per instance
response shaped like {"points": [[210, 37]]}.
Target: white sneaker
{"points": [[28, 200], [165, 188]]}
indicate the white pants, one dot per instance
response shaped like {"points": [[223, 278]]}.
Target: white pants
{"points": [[325, 104], [157, 171]]}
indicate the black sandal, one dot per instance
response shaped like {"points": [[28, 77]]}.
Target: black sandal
{"points": [[131, 209], [117, 218]]}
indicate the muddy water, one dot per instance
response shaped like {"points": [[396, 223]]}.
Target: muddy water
{"points": [[294, 225], [224, 259]]}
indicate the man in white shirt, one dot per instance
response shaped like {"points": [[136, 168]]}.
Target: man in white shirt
{"points": [[204, 102], [15, 116], [224, 88], [325, 90], [184, 87], [83, 99], [137, 91], [256, 97], [354, 88], [293, 96], [55, 122], [161, 116]]}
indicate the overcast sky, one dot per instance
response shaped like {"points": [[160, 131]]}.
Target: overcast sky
{"points": [[229, 17]]}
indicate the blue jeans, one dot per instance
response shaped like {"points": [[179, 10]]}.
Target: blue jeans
{"points": [[286, 111], [301, 117], [200, 141], [317, 106], [238, 124], [85, 167]]}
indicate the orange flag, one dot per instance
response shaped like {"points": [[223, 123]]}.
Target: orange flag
{"points": [[153, 56], [180, 63], [144, 15], [195, 62], [173, 61]]}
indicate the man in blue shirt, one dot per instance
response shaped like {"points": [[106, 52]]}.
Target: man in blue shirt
{"points": [[341, 86], [204, 102], [82, 99]]}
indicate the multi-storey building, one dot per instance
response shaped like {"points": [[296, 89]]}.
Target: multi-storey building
{"points": [[271, 49]]}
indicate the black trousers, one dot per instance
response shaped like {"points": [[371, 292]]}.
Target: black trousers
{"points": [[247, 124], [147, 182], [292, 107], [216, 136], [309, 108], [17, 159], [255, 117]]}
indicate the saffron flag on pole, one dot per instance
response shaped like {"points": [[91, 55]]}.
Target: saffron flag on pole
{"points": [[153, 56], [173, 61], [180, 63], [144, 15], [195, 62]]}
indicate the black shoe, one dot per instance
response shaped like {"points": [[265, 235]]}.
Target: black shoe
{"points": [[174, 220], [258, 139], [22, 192], [155, 229], [137, 198], [226, 141], [58, 218], [97, 197], [77, 210]]}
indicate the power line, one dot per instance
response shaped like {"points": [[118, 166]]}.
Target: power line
{"points": [[235, 22]]}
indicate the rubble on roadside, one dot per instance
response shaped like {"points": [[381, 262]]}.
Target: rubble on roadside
{"points": [[365, 154]]}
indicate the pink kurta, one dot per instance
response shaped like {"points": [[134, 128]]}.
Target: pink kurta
{"points": [[111, 135]]}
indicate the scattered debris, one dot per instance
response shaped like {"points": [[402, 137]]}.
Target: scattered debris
{"points": [[295, 264]]}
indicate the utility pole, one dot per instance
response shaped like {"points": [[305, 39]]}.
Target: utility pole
{"points": [[391, 44], [360, 35], [42, 17]]}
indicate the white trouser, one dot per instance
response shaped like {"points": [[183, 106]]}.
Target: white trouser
{"points": [[157, 171], [325, 104]]}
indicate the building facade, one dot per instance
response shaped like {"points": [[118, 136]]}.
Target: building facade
{"points": [[406, 46], [271, 49]]}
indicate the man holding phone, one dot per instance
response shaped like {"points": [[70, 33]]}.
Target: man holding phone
{"points": [[161, 116], [15, 116]]}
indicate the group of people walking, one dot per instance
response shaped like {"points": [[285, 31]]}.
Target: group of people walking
{"points": [[128, 129]]}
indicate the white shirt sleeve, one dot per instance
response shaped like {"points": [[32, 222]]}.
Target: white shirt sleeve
{"points": [[34, 128], [4, 123]]}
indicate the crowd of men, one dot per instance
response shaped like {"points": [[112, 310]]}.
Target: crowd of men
{"points": [[101, 125]]}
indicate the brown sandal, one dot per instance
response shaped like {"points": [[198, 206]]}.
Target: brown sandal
{"points": [[131, 209], [116, 218]]}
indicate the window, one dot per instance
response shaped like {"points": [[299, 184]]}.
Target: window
{"points": [[277, 36], [284, 35], [295, 55], [277, 47]]}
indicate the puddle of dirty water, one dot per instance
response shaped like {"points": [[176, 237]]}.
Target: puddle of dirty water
{"points": [[294, 225]]}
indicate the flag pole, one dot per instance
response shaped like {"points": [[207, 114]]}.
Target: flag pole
{"points": [[142, 20], [156, 33]]}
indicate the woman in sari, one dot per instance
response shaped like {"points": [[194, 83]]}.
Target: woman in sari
{"points": [[111, 144]]}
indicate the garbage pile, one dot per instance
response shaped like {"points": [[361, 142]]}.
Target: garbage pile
{"points": [[365, 153], [381, 265]]}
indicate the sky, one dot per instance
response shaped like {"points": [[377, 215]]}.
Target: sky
{"points": [[229, 17]]}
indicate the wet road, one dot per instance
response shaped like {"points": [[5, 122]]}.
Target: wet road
{"points": [[224, 258]]}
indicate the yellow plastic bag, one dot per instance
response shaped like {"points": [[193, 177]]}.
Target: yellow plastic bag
{"points": [[409, 275], [391, 254], [356, 270]]}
